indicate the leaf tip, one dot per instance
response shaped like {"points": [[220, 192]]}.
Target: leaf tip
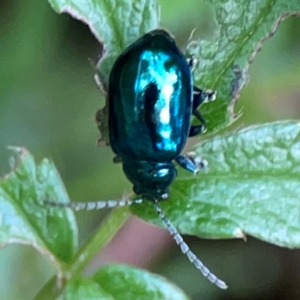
{"points": [[14, 161], [18, 150]]}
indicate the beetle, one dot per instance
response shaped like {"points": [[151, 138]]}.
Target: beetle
{"points": [[151, 100]]}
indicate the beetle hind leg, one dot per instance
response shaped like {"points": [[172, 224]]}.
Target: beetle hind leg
{"points": [[199, 97]]}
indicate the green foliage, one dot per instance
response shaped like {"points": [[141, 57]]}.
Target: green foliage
{"points": [[251, 187], [242, 28], [85, 288], [251, 184], [26, 220], [121, 282]]}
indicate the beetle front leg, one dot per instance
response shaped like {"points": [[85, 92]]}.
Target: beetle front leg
{"points": [[199, 97], [191, 162]]}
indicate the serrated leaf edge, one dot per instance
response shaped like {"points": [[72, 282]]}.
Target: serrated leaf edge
{"points": [[236, 93]]}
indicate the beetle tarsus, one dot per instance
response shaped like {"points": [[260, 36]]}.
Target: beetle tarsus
{"points": [[191, 162]]}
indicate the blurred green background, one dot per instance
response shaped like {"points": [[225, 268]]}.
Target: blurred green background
{"points": [[47, 103]]}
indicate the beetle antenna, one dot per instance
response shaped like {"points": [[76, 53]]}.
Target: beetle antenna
{"points": [[93, 205], [186, 250]]}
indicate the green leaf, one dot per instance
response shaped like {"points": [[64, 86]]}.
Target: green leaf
{"points": [[121, 282], [115, 24], [24, 219], [85, 289], [252, 186], [242, 26], [127, 283], [109, 227]]}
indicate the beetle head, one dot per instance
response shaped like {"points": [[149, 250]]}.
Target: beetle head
{"points": [[150, 180]]}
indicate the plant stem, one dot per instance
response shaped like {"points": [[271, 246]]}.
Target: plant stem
{"points": [[106, 232]]}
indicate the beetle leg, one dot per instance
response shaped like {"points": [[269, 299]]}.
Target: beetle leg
{"points": [[191, 61], [191, 162], [199, 97], [117, 159]]}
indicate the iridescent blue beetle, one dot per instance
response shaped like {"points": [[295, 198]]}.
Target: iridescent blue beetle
{"points": [[151, 99], [150, 103]]}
